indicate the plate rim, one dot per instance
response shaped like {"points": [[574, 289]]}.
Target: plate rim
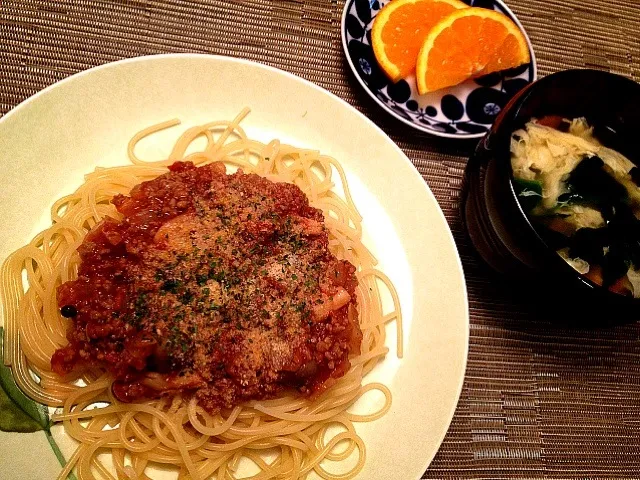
{"points": [[427, 459], [462, 136]]}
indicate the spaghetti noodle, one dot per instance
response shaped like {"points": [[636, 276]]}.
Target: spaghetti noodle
{"points": [[285, 437]]}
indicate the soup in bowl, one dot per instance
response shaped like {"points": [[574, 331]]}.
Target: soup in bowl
{"points": [[551, 194]]}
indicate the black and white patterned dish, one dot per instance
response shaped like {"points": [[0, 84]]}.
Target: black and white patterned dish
{"points": [[464, 111]]}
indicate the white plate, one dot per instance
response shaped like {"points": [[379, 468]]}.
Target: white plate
{"points": [[50, 141]]}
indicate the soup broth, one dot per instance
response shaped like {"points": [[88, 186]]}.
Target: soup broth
{"points": [[582, 197]]}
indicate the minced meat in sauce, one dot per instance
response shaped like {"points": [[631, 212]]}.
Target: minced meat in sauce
{"points": [[217, 285]]}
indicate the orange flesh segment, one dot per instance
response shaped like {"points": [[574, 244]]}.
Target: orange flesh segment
{"points": [[510, 45], [448, 51], [468, 44], [406, 30]]}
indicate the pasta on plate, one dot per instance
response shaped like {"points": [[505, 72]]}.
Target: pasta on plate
{"points": [[283, 435]]}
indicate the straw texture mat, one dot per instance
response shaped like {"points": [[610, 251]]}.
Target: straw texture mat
{"points": [[539, 401]]}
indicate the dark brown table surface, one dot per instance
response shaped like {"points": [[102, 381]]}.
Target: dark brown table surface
{"points": [[539, 400]]}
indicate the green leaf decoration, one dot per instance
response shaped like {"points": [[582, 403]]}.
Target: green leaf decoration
{"points": [[18, 413], [13, 419]]}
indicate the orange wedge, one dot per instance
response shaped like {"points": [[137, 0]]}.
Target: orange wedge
{"points": [[400, 28], [469, 43]]}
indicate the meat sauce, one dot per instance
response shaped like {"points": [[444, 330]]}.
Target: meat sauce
{"points": [[215, 285]]}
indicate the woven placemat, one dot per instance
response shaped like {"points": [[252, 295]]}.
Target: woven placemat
{"points": [[539, 401]]}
